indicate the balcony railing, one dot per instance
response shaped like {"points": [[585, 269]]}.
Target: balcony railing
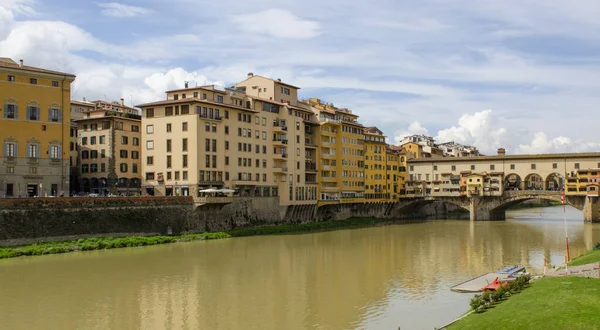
{"points": [[33, 161], [280, 140], [214, 200], [310, 166], [209, 117]]}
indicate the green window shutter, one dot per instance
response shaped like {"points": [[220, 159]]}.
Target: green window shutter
{"points": [[38, 115]]}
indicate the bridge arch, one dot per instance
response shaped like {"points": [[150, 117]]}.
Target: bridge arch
{"points": [[533, 181], [511, 198], [513, 181], [414, 205], [554, 182]]}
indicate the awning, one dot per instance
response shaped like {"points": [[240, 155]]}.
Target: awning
{"points": [[209, 190], [226, 191]]}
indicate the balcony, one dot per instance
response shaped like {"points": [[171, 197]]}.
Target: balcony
{"points": [[328, 156], [279, 128], [209, 117], [326, 167], [280, 169], [202, 182], [55, 161], [329, 188], [328, 179], [33, 161], [280, 141], [278, 155], [330, 121], [10, 159], [310, 167]]}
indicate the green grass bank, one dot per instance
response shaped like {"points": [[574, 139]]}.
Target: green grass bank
{"points": [[87, 244], [588, 258], [550, 303]]}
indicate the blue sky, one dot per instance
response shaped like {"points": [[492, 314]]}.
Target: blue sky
{"points": [[515, 74]]}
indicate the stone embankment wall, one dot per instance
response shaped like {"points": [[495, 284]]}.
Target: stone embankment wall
{"points": [[26, 221]]}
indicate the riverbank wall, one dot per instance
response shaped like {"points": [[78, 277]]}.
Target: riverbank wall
{"points": [[28, 221]]}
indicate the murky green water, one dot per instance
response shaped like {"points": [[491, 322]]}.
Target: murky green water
{"points": [[375, 278]]}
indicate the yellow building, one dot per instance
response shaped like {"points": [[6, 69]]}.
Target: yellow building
{"points": [[341, 162], [255, 139], [109, 147], [377, 175], [396, 172], [34, 129]]}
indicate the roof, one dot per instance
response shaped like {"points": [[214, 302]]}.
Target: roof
{"points": [[276, 81], [210, 88], [507, 157], [87, 104], [191, 100], [10, 64]]}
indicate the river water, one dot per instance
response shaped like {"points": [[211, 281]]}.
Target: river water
{"points": [[372, 278]]}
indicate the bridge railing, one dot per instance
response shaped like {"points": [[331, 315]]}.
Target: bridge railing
{"points": [[517, 193]]}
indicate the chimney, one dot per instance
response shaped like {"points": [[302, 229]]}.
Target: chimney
{"points": [[278, 79], [21, 63], [186, 84], [501, 152], [250, 74], [84, 99], [122, 102]]}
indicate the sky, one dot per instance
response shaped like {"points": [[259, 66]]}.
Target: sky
{"points": [[517, 74]]}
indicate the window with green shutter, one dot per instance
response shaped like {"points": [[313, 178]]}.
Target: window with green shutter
{"points": [[10, 111]]}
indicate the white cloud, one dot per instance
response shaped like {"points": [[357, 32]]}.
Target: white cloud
{"points": [[479, 129], [277, 23], [414, 128], [542, 144], [119, 10], [23, 7]]}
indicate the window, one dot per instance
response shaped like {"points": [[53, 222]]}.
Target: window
{"points": [[184, 175], [123, 167], [124, 140], [176, 175], [169, 145], [33, 113], [472, 167], [94, 154], [85, 168], [207, 163], [33, 81], [169, 161], [136, 141], [533, 166], [149, 145], [214, 128], [512, 166], [453, 168], [11, 78], [10, 150], [185, 160], [219, 99], [135, 155], [150, 160], [54, 83], [33, 151], [10, 111], [101, 139], [226, 160], [55, 115], [214, 161], [435, 167], [492, 167], [134, 128], [226, 114], [226, 145], [576, 166], [54, 152], [214, 145], [105, 124], [102, 153], [207, 127], [184, 126], [149, 175], [102, 167], [150, 129], [134, 168], [123, 153], [150, 114], [168, 128], [555, 165], [168, 111], [184, 145], [227, 130], [207, 145]]}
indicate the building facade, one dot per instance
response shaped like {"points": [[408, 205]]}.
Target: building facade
{"points": [[251, 139], [35, 130], [108, 147]]}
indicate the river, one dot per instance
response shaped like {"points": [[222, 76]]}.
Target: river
{"points": [[372, 278]]}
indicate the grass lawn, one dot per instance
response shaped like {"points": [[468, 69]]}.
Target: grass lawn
{"points": [[550, 303], [588, 258]]}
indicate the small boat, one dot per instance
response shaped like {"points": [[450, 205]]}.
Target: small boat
{"points": [[495, 285], [512, 271]]}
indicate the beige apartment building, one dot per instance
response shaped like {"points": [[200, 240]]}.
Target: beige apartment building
{"points": [[108, 147], [251, 139]]}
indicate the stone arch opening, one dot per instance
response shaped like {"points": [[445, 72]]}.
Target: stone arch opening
{"points": [[415, 209], [86, 185], [533, 181], [95, 185], [555, 182], [513, 182]]}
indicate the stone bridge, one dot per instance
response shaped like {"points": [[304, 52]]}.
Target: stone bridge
{"points": [[494, 207]]}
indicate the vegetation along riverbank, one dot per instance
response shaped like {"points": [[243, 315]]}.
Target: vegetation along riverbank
{"points": [[87, 244], [588, 258], [550, 303]]}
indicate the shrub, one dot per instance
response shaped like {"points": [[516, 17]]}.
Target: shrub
{"points": [[597, 247]]}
